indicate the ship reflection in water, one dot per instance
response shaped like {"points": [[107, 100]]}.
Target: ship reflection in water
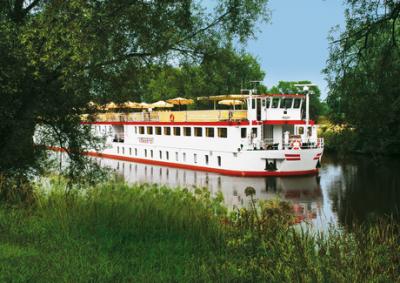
{"points": [[303, 192]]}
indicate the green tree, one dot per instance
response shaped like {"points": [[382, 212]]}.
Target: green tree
{"points": [[363, 73], [317, 108], [224, 71], [56, 56]]}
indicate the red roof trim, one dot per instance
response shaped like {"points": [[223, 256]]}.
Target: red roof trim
{"points": [[171, 123]]}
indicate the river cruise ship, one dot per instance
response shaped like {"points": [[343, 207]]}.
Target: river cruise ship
{"points": [[271, 135]]}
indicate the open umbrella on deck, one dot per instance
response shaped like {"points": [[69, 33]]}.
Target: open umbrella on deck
{"points": [[161, 104], [131, 105], [180, 101], [215, 98], [230, 102], [111, 105]]}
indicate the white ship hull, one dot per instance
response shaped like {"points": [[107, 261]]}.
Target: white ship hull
{"points": [[231, 155], [270, 138]]}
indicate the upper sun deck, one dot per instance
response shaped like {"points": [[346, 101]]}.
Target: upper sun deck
{"points": [[174, 116], [264, 107]]}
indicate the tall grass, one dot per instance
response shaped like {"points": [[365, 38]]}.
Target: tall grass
{"points": [[144, 233]]}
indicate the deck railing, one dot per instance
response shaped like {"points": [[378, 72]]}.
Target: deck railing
{"points": [[176, 116], [293, 143]]}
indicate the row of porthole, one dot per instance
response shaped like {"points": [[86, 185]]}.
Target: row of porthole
{"points": [[176, 131], [167, 157]]}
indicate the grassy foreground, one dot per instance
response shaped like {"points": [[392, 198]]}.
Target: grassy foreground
{"points": [[117, 233]]}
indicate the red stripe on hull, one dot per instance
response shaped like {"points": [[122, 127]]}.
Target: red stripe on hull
{"points": [[200, 168]]}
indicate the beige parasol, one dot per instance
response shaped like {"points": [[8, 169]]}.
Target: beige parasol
{"points": [[111, 105], [161, 104], [230, 102], [131, 105], [215, 98], [180, 101], [144, 105]]}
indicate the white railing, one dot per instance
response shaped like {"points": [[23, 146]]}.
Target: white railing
{"points": [[178, 116], [293, 143]]}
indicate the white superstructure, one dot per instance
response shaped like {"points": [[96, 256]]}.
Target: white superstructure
{"points": [[270, 137]]}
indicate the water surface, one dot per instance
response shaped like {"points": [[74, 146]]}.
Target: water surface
{"points": [[345, 191]]}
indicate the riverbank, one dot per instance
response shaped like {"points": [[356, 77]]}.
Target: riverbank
{"points": [[116, 232]]}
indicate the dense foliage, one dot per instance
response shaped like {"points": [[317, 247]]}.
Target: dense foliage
{"points": [[224, 71], [150, 234], [363, 72], [56, 56]]}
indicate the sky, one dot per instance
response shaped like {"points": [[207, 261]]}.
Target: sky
{"points": [[294, 45]]}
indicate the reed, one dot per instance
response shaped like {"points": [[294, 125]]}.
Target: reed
{"points": [[145, 233]]}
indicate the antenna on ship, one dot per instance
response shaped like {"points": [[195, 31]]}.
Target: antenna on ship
{"points": [[255, 84], [306, 90]]}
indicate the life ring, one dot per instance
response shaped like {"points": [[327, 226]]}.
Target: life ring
{"points": [[295, 144], [172, 117]]}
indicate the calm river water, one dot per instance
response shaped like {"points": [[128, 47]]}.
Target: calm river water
{"points": [[345, 191]]}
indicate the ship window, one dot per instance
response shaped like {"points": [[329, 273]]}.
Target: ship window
{"points": [[149, 130], [263, 102], [243, 133], [176, 156], [253, 103], [254, 132], [198, 132], [286, 103], [167, 131], [187, 131], [177, 131], [275, 102], [219, 160], [123, 150], [167, 154], [184, 157], [297, 102], [160, 155], [135, 151], [210, 132], [130, 151], [206, 159], [117, 149], [309, 131], [195, 158], [158, 131], [222, 132], [135, 130], [141, 130], [145, 153], [268, 102], [301, 130], [151, 153]]}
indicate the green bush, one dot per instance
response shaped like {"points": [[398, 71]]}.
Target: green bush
{"points": [[143, 233]]}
